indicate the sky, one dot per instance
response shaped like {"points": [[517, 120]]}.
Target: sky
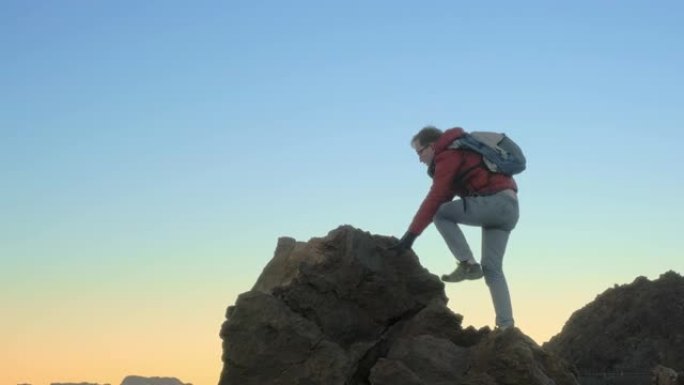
{"points": [[153, 152]]}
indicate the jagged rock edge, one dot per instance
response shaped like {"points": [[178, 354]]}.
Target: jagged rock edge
{"points": [[382, 351], [404, 317], [312, 348]]}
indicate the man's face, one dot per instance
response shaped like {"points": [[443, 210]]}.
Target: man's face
{"points": [[425, 153]]}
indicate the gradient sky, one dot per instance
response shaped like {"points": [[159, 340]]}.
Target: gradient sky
{"points": [[152, 152]]}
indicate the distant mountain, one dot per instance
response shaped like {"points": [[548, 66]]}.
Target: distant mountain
{"points": [[138, 380], [632, 327], [72, 383]]}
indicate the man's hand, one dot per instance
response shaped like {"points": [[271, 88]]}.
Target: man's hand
{"points": [[404, 243]]}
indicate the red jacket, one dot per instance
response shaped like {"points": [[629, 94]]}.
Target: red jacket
{"points": [[456, 172]]}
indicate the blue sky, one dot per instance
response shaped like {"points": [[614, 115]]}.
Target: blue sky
{"points": [[153, 152]]}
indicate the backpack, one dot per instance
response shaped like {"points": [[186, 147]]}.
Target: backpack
{"points": [[499, 152]]}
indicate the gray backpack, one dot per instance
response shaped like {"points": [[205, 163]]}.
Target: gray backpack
{"points": [[499, 152]]}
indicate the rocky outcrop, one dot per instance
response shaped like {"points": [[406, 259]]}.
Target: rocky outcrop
{"points": [[343, 310], [138, 380], [629, 328]]}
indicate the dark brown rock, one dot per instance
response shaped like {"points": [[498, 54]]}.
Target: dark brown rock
{"points": [[435, 361], [270, 341], [630, 328], [392, 372], [510, 357], [344, 310], [438, 321]]}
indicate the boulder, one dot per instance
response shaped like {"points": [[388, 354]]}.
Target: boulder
{"points": [[344, 310], [627, 328], [510, 357]]}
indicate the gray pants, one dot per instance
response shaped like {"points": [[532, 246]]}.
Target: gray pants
{"points": [[497, 214]]}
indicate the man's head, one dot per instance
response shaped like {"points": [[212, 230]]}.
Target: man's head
{"points": [[422, 142]]}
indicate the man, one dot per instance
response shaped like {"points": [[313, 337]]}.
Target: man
{"points": [[485, 199]]}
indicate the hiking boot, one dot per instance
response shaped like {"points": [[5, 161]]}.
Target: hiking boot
{"points": [[464, 271]]}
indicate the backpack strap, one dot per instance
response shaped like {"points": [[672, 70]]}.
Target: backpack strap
{"points": [[463, 175]]}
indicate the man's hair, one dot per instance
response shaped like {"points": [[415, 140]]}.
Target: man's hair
{"points": [[428, 135]]}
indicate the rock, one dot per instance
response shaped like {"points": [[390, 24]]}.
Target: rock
{"points": [[437, 320], [630, 328], [342, 309], [510, 357], [434, 360], [392, 372], [267, 341]]}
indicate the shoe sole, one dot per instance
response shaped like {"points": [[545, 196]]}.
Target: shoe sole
{"points": [[446, 278]]}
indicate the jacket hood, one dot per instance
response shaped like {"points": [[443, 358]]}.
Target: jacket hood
{"points": [[442, 143], [447, 137]]}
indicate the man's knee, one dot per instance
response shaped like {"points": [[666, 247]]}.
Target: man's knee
{"points": [[446, 211], [492, 270], [439, 215]]}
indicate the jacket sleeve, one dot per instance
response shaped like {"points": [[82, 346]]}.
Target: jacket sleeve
{"points": [[441, 191]]}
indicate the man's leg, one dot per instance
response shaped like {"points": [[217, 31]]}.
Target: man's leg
{"points": [[497, 215], [497, 211], [449, 215], [468, 211], [493, 249]]}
